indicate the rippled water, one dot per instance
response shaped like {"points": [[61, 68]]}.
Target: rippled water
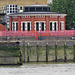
{"points": [[39, 69]]}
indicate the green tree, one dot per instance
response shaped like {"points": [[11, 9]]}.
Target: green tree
{"points": [[67, 7]]}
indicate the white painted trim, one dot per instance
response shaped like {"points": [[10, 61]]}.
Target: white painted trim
{"points": [[62, 25], [53, 25], [14, 25], [30, 24], [26, 26], [40, 25], [57, 25], [41, 15], [44, 25], [22, 25]]}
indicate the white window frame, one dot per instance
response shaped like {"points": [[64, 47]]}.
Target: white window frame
{"points": [[27, 26], [44, 25], [53, 25], [15, 26], [62, 25], [22, 25], [40, 25]]}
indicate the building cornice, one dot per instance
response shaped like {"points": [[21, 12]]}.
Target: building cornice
{"points": [[40, 15]]}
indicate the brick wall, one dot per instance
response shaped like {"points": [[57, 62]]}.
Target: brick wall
{"points": [[2, 28], [33, 19]]}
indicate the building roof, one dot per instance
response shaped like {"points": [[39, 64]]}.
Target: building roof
{"points": [[37, 5], [37, 13], [3, 28]]}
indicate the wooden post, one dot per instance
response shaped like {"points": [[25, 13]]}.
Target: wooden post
{"points": [[47, 52], [65, 55], [28, 52], [74, 52], [56, 52], [24, 50], [37, 47], [20, 59]]}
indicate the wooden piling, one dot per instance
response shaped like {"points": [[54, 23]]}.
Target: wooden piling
{"points": [[24, 51], [37, 47], [56, 52], [74, 52], [65, 54], [47, 52], [28, 52], [20, 59]]}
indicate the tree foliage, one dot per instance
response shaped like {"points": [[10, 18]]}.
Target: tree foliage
{"points": [[67, 7]]}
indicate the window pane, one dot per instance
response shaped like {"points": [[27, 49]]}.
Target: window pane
{"points": [[15, 5], [16, 26], [50, 25], [55, 26], [13, 26], [28, 26], [44, 8], [38, 8], [32, 9], [21, 8], [42, 26], [10, 5], [11, 11], [23, 26], [25, 9], [37, 26]]}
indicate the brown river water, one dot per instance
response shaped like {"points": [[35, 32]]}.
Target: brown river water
{"points": [[40, 69]]}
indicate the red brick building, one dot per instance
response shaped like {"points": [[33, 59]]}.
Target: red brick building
{"points": [[37, 18], [3, 28]]}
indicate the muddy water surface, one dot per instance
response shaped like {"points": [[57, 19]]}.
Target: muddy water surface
{"points": [[39, 69]]}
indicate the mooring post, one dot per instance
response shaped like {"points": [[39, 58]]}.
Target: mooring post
{"points": [[37, 47], [65, 54], [56, 52], [24, 50], [47, 52], [20, 58], [28, 52], [74, 52]]}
